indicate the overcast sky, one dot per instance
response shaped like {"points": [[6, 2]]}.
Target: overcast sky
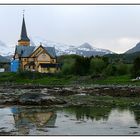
{"points": [[111, 27]]}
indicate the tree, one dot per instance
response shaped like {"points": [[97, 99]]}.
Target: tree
{"points": [[122, 69], [136, 67], [97, 66], [81, 66], [110, 70], [67, 67]]}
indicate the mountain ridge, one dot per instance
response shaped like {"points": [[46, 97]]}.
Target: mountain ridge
{"points": [[84, 49]]}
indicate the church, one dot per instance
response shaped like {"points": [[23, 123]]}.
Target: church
{"points": [[33, 58]]}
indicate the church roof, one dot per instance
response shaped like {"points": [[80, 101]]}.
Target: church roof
{"points": [[51, 51], [24, 51], [23, 36]]}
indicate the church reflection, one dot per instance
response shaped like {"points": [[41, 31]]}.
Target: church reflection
{"points": [[31, 119]]}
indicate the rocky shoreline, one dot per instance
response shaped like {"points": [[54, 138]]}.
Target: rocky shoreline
{"points": [[60, 95]]}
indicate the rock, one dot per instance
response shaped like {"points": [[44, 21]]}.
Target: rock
{"points": [[66, 116], [51, 126], [133, 133], [133, 127], [39, 99], [78, 122], [30, 98], [42, 129], [3, 133]]}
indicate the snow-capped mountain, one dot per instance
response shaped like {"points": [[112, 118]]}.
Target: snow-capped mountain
{"points": [[85, 49], [6, 50]]}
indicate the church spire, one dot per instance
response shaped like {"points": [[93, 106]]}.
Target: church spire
{"points": [[24, 32], [24, 40]]}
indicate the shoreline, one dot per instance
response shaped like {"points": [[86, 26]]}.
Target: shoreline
{"points": [[68, 85], [68, 95]]}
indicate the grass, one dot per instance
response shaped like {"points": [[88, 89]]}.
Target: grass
{"points": [[125, 79], [103, 101], [30, 78], [119, 80], [58, 79]]}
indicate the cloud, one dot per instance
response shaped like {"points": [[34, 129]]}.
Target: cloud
{"points": [[124, 117], [118, 45]]}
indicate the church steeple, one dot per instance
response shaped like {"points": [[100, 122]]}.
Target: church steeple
{"points": [[24, 40]]}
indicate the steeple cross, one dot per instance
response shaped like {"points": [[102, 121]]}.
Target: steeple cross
{"points": [[23, 12]]}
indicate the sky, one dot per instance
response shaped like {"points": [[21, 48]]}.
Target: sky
{"points": [[113, 27]]}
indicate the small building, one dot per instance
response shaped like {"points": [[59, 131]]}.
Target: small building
{"points": [[32, 58], [14, 65], [4, 64]]}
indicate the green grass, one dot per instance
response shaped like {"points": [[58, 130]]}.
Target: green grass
{"points": [[43, 79], [36, 79], [125, 79], [103, 100], [117, 80]]}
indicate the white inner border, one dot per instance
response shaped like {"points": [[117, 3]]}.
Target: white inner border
{"points": [[70, 1]]}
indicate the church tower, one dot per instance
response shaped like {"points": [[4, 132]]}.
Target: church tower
{"points": [[24, 40]]}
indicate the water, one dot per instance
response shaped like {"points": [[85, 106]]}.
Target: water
{"points": [[23, 120]]}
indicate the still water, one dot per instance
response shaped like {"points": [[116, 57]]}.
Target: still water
{"points": [[22, 120]]}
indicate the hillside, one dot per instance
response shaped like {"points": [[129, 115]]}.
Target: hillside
{"points": [[134, 49], [4, 59], [125, 57]]}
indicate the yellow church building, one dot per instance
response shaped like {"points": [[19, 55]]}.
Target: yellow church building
{"points": [[32, 58]]}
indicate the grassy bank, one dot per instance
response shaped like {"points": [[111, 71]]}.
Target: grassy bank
{"points": [[102, 101], [58, 79]]}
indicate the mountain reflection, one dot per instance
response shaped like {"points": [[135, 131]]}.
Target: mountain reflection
{"points": [[27, 119], [93, 113]]}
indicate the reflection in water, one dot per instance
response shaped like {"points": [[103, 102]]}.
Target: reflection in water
{"points": [[89, 112], [136, 111], [76, 120], [27, 119]]}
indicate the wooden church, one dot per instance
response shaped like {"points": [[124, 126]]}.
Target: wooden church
{"points": [[32, 58]]}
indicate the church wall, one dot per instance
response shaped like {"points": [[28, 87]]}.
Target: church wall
{"points": [[23, 62], [47, 70], [43, 57]]}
